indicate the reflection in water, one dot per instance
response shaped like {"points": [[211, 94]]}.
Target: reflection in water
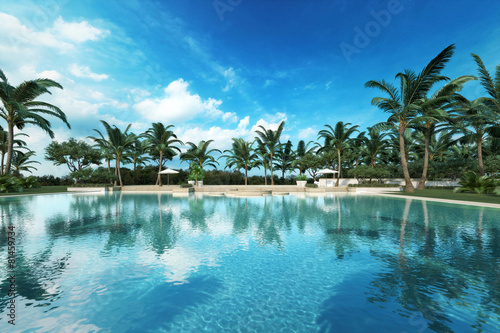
{"points": [[420, 263]]}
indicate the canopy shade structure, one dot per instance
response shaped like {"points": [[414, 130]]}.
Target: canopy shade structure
{"points": [[326, 171], [167, 172]]}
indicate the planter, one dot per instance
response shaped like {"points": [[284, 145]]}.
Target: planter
{"points": [[192, 182], [301, 183], [200, 183]]}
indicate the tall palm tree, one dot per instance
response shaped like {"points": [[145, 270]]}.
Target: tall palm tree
{"points": [[433, 112], [137, 154], [200, 154], [338, 140], [492, 88], [20, 107], [402, 102], [285, 156], [160, 142], [116, 142], [241, 156], [270, 140], [374, 146], [474, 123], [263, 161]]}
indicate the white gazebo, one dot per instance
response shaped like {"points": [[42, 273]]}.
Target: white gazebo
{"points": [[325, 182], [168, 172]]}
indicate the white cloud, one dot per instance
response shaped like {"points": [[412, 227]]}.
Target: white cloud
{"points": [[231, 78], [269, 83], [307, 133], [85, 72], [179, 104], [77, 32]]}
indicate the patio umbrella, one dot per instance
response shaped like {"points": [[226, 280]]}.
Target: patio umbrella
{"points": [[167, 172], [326, 171]]}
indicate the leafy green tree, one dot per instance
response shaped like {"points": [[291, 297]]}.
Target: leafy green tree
{"points": [[241, 156], [302, 150], [270, 141], [117, 142], [76, 155], [374, 147], [285, 156], [263, 160], [402, 103], [137, 155], [337, 139], [160, 142], [20, 107], [200, 154], [312, 163]]}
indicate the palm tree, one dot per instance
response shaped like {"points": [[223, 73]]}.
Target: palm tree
{"points": [[474, 125], [4, 146], [160, 142], [433, 111], [302, 150], [374, 146], [21, 162], [241, 156], [337, 139], [285, 156], [270, 140], [402, 103], [492, 88], [263, 156], [20, 108], [137, 154], [117, 143], [200, 154]]}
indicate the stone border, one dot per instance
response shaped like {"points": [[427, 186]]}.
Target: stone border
{"points": [[458, 202]]}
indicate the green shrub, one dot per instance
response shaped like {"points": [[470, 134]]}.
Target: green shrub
{"points": [[301, 178], [472, 182], [29, 182], [367, 184], [186, 185], [9, 184], [312, 185]]}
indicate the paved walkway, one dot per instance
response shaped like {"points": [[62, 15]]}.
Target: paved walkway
{"points": [[459, 202]]}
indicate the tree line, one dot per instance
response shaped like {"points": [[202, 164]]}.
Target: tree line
{"points": [[431, 131]]}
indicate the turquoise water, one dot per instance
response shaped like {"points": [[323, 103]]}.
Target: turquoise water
{"points": [[340, 263]]}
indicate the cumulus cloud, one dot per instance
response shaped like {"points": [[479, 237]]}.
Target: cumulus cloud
{"points": [[307, 133], [77, 32], [85, 72], [179, 104]]}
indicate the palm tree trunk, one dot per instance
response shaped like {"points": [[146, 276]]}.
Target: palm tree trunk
{"points": [[118, 168], [246, 176], [340, 169], [404, 162], [421, 184], [265, 175], [10, 147], [158, 180], [480, 156], [271, 166], [1, 167]]}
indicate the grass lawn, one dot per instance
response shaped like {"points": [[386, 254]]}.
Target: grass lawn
{"points": [[448, 194], [41, 190]]}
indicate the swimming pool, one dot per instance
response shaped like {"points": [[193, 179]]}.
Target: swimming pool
{"points": [[124, 262]]}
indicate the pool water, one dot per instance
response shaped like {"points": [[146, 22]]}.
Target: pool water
{"points": [[154, 262]]}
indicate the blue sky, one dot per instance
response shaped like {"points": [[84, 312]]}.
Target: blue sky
{"points": [[217, 69]]}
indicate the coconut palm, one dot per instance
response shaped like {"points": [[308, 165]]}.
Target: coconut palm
{"points": [[285, 156], [302, 150], [337, 139], [160, 143], [374, 146], [270, 141], [241, 156], [263, 161], [137, 154], [20, 107], [433, 112], [117, 143], [200, 154], [402, 103], [492, 88]]}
